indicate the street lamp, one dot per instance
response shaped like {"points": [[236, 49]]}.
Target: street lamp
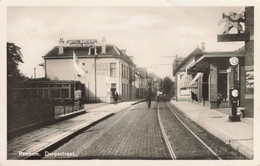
{"points": [[234, 93]]}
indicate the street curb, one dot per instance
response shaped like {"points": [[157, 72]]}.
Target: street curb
{"points": [[236, 146], [241, 149], [56, 144], [70, 115], [137, 102]]}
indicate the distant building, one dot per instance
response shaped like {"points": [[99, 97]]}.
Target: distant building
{"points": [[155, 81], [182, 78], [141, 81], [107, 68]]}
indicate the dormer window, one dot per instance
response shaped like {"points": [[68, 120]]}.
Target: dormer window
{"points": [[92, 51]]}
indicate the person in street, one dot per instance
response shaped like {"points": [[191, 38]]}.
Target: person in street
{"points": [[149, 96], [115, 97], [158, 96]]}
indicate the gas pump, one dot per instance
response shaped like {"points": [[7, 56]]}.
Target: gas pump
{"points": [[234, 92]]}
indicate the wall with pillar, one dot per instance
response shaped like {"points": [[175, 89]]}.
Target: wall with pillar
{"points": [[213, 84], [200, 84], [249, 62], [242, 84]]}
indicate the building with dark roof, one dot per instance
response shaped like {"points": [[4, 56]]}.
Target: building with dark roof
{"points": [[210, 77], [106, 68], [207, 77]]}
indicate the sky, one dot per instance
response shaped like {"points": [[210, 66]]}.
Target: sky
{"points": [[153, 35]]}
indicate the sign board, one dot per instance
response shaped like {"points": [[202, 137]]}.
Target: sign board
{"points": [[234, 37], [233, 61], [250, 79], [82, 43], [102, 67], [234, 92]]}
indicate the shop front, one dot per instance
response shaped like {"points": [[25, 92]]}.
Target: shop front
{"points": [[217, 78]]}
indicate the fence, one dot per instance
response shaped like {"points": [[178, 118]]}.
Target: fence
{"points": [[24, 110], [63, 107]]}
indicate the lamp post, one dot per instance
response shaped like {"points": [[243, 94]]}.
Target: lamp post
{"points": [[234, 93]]}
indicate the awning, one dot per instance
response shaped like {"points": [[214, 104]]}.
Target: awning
{"points": [[194, 63], [202, 63], [185, 80], [191, 84]]}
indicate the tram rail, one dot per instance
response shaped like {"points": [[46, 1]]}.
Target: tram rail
{"points": [[166, 139]]}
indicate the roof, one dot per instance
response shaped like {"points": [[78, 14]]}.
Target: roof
{"points": [[153, 75], [194, 53], [202, 62], [142, 71], [236, 52], [81, 51], [179, 59], [111, 50], [198, 53]]}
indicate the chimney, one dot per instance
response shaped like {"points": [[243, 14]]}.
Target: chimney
{"points": [[131, 58], [61, 46], [103, 45], [203, 46], [124, 51]]}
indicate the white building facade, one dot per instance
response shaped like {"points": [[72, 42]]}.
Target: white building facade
{"points": [[107, 68]]}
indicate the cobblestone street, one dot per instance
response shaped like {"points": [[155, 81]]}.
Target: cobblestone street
{"points": [[131, 134], [134, 133]]}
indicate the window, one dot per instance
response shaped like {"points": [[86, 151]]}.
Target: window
{"points": [[45, 93], [223, 86], [55, 93], [127, 72], [43, 85], [123, 91], [122, 71], [65, 93], [65, 85], [112, 69], [113, 85], [92, 51]]}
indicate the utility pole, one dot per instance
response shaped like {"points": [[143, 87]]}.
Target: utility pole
{"points": [[34, 73]]}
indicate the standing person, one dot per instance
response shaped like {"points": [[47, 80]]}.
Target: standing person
{"points": [[115, 97], [149, 96], [158, 96]]}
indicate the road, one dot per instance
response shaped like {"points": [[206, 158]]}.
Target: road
{"points": [[136, 133]]}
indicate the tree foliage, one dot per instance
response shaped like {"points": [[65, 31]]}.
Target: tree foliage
{"points": [[14, 58], [168, 86]]}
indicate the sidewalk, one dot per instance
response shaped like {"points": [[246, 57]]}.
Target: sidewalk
{"points": [[34, 143], [238, 134]]}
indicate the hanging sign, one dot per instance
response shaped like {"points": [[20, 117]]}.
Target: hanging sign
{"points": [[234, 93], [233, 61], [82, 43]]}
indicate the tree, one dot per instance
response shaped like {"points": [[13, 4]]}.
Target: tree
{"points": [[14, 76], [14, 58], [168, 86]]}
